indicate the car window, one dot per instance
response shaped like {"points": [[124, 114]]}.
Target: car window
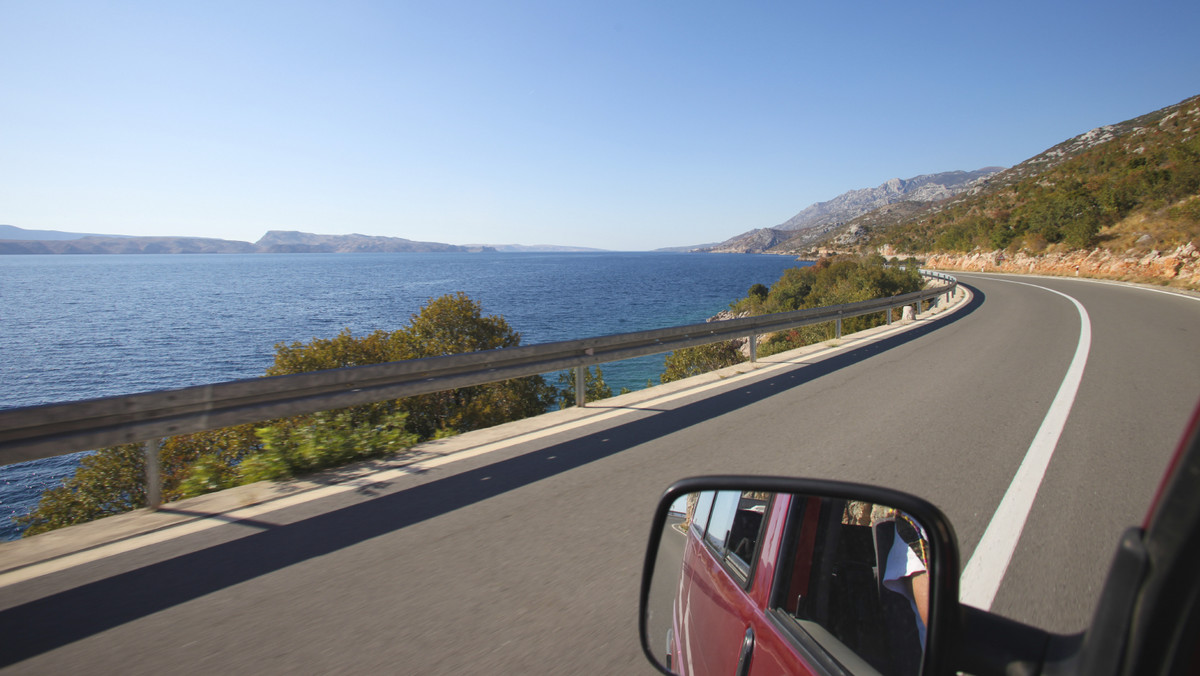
{"points": [[723, 510], [699, 512], [841, 584], [734, 529]]}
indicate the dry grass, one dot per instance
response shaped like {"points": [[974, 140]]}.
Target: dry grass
{"points": [[1162, 230]]}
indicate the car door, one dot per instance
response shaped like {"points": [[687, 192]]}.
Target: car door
{"points": [[719, 610]]}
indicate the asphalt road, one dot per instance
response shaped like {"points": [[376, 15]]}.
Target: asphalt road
{"points": [[528, 559]]}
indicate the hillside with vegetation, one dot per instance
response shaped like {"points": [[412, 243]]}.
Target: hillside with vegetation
{"points": [[1121, 200], [833, 280]]}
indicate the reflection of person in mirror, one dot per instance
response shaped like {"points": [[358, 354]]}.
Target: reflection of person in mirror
{"points": [[901, 585], [906, 571]]}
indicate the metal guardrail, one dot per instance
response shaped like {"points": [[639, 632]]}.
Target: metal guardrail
{"points": [[44, 431]]}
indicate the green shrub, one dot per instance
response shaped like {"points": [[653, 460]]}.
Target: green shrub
{"points": [[691, 361], [330, 439]]}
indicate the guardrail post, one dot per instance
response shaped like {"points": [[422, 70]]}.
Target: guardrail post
{"points": [[153, 473], [580, 387], [839, 326], [889, 322], [753, 348]]}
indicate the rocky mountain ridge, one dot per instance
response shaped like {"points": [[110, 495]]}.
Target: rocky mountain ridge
{"points": [[814, 222]]}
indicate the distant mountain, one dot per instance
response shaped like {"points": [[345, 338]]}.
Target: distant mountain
{"points": [[13, 232], [105, 244], [527, 248], [686, 249], [816, 220], [290, 241], [14, 240]]}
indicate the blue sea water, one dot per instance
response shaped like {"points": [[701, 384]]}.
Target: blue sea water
{"points": [[79, 327]]}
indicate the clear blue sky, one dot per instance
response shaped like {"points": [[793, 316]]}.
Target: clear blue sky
{"points": [[618, 124]]}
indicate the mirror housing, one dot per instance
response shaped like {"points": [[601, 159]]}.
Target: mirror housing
{"points": [[756, 495]]}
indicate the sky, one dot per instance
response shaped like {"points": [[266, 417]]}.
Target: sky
{"points": [[623, 125]]}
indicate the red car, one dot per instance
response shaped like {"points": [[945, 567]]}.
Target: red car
{"points": [[765, 575]]}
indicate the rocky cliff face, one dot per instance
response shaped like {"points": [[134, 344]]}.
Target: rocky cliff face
{"points": [[1180, 266], [815, 221]]}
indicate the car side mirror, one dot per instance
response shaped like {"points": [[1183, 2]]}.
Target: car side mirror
{"points": [[796, 575]]}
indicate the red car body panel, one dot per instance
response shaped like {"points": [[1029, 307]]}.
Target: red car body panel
{"points": [[713, 610], [1191, 430]]}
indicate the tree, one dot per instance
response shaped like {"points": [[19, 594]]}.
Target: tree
{"points": [[450, 324], [108, 482], [112, 480]]}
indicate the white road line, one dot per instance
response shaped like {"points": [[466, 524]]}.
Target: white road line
{"points": [[1165, 292], [982, 576], [1092, 280]]}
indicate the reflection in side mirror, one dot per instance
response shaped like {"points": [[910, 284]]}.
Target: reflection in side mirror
{"points": [[793, 576]]}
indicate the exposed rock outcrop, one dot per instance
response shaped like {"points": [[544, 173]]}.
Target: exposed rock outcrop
{"points": [[741, 344], [1180, 266]]}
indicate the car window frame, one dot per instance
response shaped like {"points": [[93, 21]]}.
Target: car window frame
{"points": [[730, 562]]}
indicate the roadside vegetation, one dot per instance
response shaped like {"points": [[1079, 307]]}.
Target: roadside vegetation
{"points": [[692, 361], [831, 281]]}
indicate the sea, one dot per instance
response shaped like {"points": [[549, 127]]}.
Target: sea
{"points": [[80, 327]]}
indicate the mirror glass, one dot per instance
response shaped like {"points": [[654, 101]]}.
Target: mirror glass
{"points": [[757, 582]]}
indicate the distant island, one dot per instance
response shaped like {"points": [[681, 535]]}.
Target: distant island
{"points": [[14, 240]]}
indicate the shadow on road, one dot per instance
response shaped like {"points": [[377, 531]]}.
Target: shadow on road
{"points": [[48, 623]]}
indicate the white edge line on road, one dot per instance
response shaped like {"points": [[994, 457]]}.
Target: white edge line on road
{"points": [[1178, 293], [982, 576], [39, 569]]}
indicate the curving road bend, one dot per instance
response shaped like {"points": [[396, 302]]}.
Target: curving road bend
{"points": [[526, 559]]}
